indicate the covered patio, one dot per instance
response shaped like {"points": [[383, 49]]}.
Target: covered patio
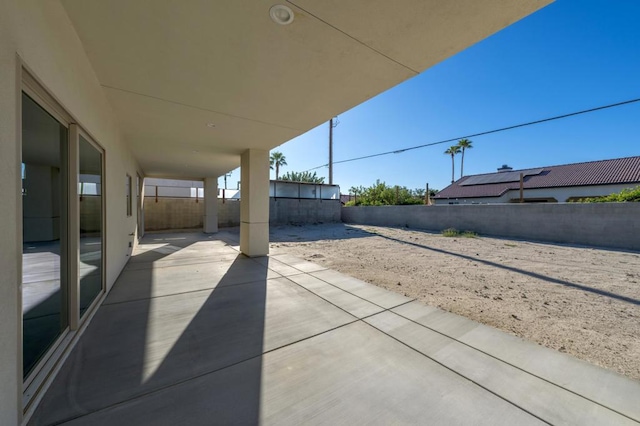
{"points": [[194, 332]]}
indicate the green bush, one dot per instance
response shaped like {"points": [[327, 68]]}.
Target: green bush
{"points": [[453, 232], [626, 195], [450, 232], [381, 194]]}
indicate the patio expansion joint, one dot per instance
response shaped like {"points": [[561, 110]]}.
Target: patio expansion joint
{"points": [[362, 298], [458, 341], [504, 362], [457, 373], [157, 264], [197, 376], [191, 291], [206, 373], [300, 272], [344, 310]]}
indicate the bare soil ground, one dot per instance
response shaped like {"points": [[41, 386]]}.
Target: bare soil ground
{"points": [[579, 300]]}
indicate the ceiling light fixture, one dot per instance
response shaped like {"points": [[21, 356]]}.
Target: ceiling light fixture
{"points": [[281, 14]]}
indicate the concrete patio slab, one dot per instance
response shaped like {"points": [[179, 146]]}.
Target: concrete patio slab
{"points": [[136, 347], [300, 264], [354, 305], [597, 384], [277, 266], [181, 261], [351, 375], [373, 294], [231, 341], [539, 397], [170, 252], [164, 281]]}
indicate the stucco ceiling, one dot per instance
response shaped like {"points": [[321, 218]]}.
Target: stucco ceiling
{"points": [[169, 68]]}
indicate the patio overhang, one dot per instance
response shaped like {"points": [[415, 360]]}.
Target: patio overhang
{"points": [[194, 84]]}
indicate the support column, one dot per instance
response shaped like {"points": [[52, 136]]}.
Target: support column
{"points": [[254, 203], [210, 205]]}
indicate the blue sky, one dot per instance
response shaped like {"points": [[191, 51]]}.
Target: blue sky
{"points": [[571, 55]]}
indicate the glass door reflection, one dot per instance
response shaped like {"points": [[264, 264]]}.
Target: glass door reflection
{"points": [[44, 233], [90, 178]]}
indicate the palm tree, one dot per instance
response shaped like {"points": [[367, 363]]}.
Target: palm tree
{"points": [[464, 144], [278, 160], [453, 150]]}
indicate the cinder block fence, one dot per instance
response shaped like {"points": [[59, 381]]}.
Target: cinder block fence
{"points": [[610, 225]]}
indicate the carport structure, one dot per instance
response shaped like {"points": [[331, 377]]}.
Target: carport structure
{"points": [[97, 95]]}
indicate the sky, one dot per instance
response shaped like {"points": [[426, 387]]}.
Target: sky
{"points": [[569, 56]]}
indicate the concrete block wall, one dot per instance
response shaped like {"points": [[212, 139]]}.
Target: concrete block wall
{"points": [[228, 213], [185, 213], [610, 225], [284, 210], [172, 213]]}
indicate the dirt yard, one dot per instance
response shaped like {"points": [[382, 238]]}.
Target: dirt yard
{"points": [[578, 300]]}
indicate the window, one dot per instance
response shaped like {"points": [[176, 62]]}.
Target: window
{"points": [[91, 202], [128, 194]]}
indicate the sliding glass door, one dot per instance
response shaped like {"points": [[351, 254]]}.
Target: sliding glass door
{"points": [[45, 284], [62, 230]]}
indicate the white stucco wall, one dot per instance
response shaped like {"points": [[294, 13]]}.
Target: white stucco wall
{"points": [[39, 33], [10, 229]]}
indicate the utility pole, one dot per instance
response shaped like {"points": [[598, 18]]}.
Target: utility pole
{"points": [[331, 151], [427, 198], [332, 124]]}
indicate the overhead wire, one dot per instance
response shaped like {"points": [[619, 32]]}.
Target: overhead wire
{"points": [[502, 129]]}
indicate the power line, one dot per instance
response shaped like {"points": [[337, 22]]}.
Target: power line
{"points": [[502, 129]]}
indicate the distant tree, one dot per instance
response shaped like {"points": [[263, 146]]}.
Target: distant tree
{"points": [[356, 190], [381, 194], [453, 150], [463, 144], [419, 193], [303, 177], [277, 160]]}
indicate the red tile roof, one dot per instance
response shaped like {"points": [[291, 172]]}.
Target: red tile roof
{"points": [[604, 172]]}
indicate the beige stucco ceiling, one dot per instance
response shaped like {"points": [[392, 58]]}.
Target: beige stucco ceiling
{"points": [[171, 67]]}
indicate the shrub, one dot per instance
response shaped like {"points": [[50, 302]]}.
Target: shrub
{"points": [[450, 232], [381, 194], [453, 232], [626, 195]]}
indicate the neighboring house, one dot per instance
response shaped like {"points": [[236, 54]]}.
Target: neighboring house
{"points": [[551, 184]]}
